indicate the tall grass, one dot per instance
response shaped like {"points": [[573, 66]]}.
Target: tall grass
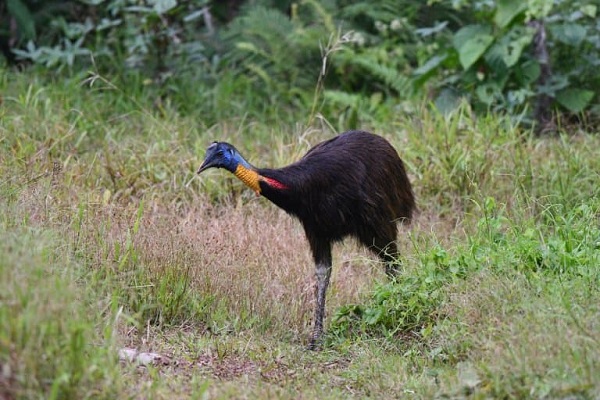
{"points": [[110, 240], [50, 331]]}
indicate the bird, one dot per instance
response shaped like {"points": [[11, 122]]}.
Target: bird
{"points": [[352, 185]]}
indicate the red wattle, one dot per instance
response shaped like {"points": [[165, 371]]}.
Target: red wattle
{"points": [[274, 183]]}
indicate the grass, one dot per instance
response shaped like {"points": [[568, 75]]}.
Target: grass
{"points": [[108, 241]]}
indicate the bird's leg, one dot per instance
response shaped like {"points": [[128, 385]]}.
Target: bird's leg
{"points": [[323, 273], [321, 250], [389, 254], [392, 267]]}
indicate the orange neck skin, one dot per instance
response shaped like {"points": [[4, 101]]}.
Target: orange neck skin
{"points": [[251, 178]]}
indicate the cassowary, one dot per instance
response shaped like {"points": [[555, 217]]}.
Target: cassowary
{"points": [[352, 185]]}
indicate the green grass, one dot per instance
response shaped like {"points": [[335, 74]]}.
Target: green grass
{"points": [[108, 240]]}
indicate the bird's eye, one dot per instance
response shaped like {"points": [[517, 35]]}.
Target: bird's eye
{"points": [[220, 153]]}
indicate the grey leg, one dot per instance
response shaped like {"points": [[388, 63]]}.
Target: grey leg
{"points": [[392, 263], [323, 273], [387, 250]]}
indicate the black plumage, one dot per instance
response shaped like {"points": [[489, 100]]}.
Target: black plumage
{"points": [[354, 184]]}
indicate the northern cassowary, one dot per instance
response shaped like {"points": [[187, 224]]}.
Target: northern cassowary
{"points": [[352, 185]]}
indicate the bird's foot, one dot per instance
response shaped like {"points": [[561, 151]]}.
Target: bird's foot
{"points": [[393, 271], [314, 345]]}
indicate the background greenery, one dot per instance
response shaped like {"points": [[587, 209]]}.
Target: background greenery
{"points": [[532, 60], [109, 240]]}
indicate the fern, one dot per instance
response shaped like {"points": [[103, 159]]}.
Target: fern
{"points": [[389, 75], [266, 29], [270, 47], [385, 75], [343, 99], [384, 11], [323, 14]]}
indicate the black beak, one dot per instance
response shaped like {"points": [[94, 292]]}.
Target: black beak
{"points": [[205, 165], [211, 158]]}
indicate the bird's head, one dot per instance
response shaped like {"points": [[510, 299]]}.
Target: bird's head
{"points": [[223, 155]]}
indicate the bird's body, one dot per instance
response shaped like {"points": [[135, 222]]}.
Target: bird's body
{"points": [[352, 185]]}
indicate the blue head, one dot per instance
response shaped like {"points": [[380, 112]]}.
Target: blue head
{"points": [[223, 155]]}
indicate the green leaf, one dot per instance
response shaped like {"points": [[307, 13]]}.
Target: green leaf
{"points": [[471, 42], [590, 10], [528, 72], [473, 49], [510, 47], [23, 17], [514, 43], [433, 30], [507, 10], [162, 6], [469, 32], [494, 58], [430, 65], [569, 33], [373, 316], [539, 9], [488, 92], [575, 100]]}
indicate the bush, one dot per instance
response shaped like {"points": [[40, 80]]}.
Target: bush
{"points": [[503, 56], [508, 57]]}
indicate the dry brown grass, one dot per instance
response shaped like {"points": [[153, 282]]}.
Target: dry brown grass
{"points": [[253, 258]]}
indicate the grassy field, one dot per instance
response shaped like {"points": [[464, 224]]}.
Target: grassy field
{"points": [[109, 241]]}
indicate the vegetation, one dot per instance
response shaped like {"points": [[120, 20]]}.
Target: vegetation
{"points": [[109, 240], [504, 56]]}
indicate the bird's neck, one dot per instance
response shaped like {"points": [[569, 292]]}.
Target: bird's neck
{"points": [[249, 176], [252, 179]]}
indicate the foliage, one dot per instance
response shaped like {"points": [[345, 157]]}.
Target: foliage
{"points": [[394, 52], [406, 307], [565, 248], [491, 58], [122, 34], [28, 16], [279, 54]]}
